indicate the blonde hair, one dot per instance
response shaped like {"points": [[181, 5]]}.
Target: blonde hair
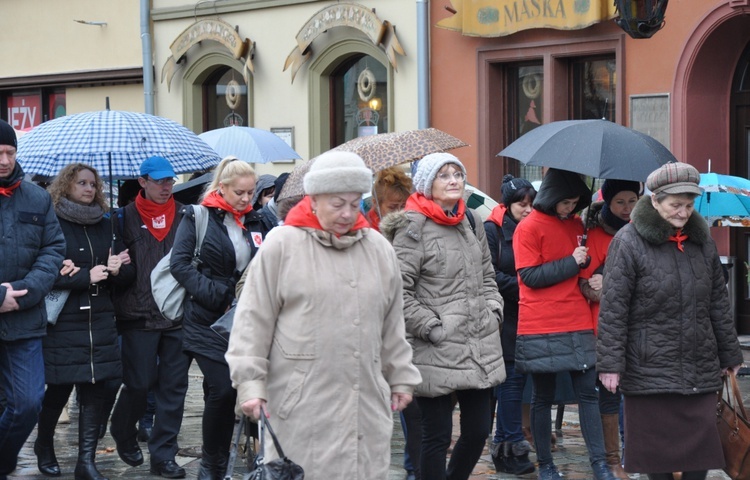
{"points": [[63, 183], [228, 170], [389, 182]]}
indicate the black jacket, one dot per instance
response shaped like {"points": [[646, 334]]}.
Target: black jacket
{"points": [[82, 346], [665, 323], [31, 254], [210, 287]]}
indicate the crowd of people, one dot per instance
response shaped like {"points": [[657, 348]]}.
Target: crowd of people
{"points": [[344, 318]]}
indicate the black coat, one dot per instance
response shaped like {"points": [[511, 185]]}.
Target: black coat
{"points": [[210, 287], [500, 242], [82, 346], [31, 254], [664, 323]]}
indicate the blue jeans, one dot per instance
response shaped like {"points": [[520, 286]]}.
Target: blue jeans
{"points": [[22, 385], [584, 385], [509, 410]]}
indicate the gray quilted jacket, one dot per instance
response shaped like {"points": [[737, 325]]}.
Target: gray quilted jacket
{"points": [[665, 322]]}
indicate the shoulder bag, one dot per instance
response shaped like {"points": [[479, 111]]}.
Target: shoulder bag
{"points": [[167, 291], [54, 302], [734, 429], [280, 469]]}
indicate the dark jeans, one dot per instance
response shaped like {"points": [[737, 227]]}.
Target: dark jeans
{"points": [[218, 413], [411, 422], [508, 419], [167, 378], [584, 385], [437, 427], [22, 386]]}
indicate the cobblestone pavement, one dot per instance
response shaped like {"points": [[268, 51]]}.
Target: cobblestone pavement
{"points": [[570, 457]]}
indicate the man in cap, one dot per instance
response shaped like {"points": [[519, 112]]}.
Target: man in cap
{"points": [[152, 356], [32, 248]]}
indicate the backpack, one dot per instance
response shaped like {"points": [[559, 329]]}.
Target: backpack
{"points": [[168, 294]]}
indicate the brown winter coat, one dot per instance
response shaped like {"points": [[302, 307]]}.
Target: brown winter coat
{"points": [[449, 281], [319, 334]]}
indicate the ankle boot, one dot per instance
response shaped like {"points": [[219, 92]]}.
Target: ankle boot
{"points": [[208, 465], [516, 456], [496, 453], [44, 446], [611, 429], [89, 420], [601, 471]]}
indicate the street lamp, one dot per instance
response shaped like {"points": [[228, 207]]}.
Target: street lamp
{"points": [[641, 18]]}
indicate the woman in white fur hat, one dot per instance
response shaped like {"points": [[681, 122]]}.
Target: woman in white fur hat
{"points": [[318, 337], [453, 312]]}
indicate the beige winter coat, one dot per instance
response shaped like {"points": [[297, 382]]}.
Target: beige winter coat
{"points": [[449, 281], [319, 334]]}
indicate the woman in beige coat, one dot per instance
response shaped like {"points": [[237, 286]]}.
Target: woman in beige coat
{"points": [[318, 337], [453, 312]]}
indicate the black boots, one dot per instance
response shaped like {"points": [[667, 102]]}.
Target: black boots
{"points": [[44, 446], [213, 466], [89, 420], [602, 471], [512, 458]]}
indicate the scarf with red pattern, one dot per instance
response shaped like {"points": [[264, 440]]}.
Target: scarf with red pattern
{"points": [[157, 217]]}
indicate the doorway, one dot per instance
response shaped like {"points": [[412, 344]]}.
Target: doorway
{"points": [[740, 166]]}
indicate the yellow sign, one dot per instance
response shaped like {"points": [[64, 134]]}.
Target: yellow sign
{"points": [[213, 30], [344, 15], [497, 18]]}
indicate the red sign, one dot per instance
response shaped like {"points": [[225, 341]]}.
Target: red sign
{"points": [[24, 111]]}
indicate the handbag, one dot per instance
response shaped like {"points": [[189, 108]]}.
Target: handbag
{"points": [[54, 302], [280, 469], [734, 429], [223, 325], [168, 294]]}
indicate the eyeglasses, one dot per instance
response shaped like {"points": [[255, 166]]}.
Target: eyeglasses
{"points": [[446, 177], [162, 181]]}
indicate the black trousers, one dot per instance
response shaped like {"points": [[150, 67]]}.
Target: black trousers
{"points": [[167, 378], [218, 412]]}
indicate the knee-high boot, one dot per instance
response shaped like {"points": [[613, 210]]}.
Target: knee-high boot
{"points": [[220, 467], [89, 420], [44, 446], [611, 428]]}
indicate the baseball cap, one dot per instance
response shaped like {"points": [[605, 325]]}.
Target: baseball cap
{"points": [[157, 168]]}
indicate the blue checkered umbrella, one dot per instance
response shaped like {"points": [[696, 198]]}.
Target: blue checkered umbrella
{"points": [[122, 140]]}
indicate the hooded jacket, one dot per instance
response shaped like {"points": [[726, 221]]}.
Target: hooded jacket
{"points": [[448, 281], [665, 324], [32, 247], [555, 330]]}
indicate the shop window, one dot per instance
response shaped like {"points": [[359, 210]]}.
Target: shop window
{"points": [[594, 86], [359, 88], [526, 102], [25, 110], [225, 99]]}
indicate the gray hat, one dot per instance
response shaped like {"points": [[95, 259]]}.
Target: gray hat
{"points": [[674, 178], [338, 172], [428, 168]]}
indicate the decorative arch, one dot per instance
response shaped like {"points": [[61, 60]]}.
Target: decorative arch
{"points": [[702, 88], [320, 71], [195, 75]]}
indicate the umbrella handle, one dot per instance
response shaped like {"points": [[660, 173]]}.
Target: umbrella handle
{"points": [[586, 263]]}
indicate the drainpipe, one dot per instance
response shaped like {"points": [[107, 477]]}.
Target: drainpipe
{"points": [[423, 63], [148, 63]]}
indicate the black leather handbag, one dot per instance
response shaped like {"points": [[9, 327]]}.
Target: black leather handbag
{"points": [[280, 469]]}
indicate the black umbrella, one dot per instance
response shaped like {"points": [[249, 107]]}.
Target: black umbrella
{"points": [[596, 148], [189, 192]]}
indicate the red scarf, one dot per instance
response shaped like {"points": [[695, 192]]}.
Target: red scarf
{"points": [[301, 215], [8, 191], [215, 200], [374, 218], [678, 238], [419, 203], [157, 217]]}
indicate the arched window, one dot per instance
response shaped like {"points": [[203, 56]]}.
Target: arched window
{"points": [[224, 99]]}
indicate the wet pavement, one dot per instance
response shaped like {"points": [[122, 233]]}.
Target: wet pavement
{"points": [[570, 457]]}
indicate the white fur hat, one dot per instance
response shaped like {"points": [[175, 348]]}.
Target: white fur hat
{"points": [[428, 168], [338, 172]]}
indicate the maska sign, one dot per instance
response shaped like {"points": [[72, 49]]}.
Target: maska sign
{"points": [[496, 18]]}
